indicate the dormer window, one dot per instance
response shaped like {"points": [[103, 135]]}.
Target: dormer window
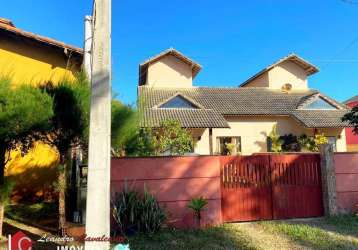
{"points": [[319, 103], [178, 102]]}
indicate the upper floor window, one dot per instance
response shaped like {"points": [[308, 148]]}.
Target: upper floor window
{"points": [[319, 103], [178, 102]]}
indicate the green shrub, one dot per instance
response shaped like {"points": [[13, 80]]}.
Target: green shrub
{"points": [[151, 216], [290, 143], [134, 212], [312, 143]]}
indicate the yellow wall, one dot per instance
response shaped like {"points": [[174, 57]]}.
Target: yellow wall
{"points": [[352, 147], [33, 173], [169, 71], [28, 63], [254, 131]]}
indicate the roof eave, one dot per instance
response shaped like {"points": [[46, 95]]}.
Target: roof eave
{"points": [[41, 39], [310, 68], [196, 67]]}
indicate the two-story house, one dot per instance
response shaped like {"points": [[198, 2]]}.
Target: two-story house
{"points": [[244, 116]]}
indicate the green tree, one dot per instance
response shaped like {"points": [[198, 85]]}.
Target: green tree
{"points": [[24, 112], [173, 139], [275, 139], [127, 137], [69, 127], [143, 143], [352, 118], [124, 126]]}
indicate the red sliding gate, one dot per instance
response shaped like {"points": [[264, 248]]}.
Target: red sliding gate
{"points": [[264, 187]]}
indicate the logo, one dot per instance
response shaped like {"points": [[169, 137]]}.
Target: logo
{"points": [[121, 247], [19, 241]]}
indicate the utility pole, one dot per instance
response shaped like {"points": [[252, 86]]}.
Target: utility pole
{"points": [[99, 161]]}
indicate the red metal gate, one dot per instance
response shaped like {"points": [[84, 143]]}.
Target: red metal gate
{"points": [[263, 187]]}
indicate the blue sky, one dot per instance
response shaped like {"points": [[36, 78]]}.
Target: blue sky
{"points": [[232, 40]]}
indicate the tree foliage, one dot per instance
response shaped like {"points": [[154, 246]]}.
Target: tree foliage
{"points": [[312, 143], [352, 118], [172, 139], [290, 143], [70, 124], [124, 126], [129, 138], [143, 144], [25, 112]]}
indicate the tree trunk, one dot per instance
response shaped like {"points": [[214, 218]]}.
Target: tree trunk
{"points": [[2, 170], [2, 211], [62, 197]]}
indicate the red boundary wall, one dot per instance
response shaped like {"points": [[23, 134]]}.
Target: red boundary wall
{"points": [[346, 167], [174, 181]]}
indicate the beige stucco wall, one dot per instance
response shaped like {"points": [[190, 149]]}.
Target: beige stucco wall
{"points": [[254, 131], [285, 72], [169, 71], [261, 81], [202, 145], [288, 72]]}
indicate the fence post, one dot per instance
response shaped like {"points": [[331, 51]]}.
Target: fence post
{"points": [[328, 180]]}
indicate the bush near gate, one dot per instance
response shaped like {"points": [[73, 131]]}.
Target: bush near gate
{"points": [[134, 212]]}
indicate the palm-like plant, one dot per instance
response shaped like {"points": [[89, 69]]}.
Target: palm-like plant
{"points": [[197, 205], [276, 141]]}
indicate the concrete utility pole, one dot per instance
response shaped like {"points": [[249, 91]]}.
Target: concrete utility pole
{"points": [[98, 185]]}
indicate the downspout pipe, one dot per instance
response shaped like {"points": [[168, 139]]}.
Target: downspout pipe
{"points": [[87, 61]]}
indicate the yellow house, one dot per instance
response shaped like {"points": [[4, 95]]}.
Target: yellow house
{"points": [[32, 59], [279, 95]]}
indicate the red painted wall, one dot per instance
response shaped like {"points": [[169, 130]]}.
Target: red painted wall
{"points": [[346, 165], [174, 181], [351, 137]]}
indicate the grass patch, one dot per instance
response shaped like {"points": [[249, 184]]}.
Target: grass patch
{"points": [[326, 233], [221, 237], [37, 214], [344, 224]]}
